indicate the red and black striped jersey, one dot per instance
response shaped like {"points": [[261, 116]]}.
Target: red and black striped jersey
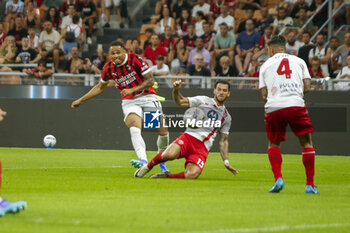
{"points": [[206, 39], [190, 42], [129, 74], [168, 44]]}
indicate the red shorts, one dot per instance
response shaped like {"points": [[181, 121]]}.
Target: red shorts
{"points": [[276, 123], [192, 149]]}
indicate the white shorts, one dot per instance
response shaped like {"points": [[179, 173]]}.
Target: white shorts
{"points": [[137, 104], [108, 3]]}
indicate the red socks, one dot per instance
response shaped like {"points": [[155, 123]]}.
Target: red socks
{"points": [[309, 164], [308, 161], [156, 160], [275, 158], [177, 176]]}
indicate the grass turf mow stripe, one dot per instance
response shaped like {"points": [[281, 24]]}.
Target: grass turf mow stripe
{"points": [[85, 191]]}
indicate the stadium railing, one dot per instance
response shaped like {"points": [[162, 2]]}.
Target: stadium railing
{"points": [[329, 20], [285, 28], [49, 65], [340, 29], [66, 79], [316, 12]]}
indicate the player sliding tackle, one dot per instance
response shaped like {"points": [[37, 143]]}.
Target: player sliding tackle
{"points": [[134, 79], [195, 143], [5, 206], [283, 80]]}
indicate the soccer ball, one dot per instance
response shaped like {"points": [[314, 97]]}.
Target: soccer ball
{"points": [[49, 141]]}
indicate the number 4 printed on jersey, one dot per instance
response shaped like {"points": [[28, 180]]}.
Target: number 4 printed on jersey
{"points": [[283, 68]]}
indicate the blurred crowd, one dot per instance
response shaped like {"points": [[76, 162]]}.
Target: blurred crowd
{"points": [[229, 37], [183, 37]]}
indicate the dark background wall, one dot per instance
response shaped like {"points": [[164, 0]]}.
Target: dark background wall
{"points": [[34, 112]]}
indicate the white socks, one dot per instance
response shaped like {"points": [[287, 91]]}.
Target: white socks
{"points": [[140, 146], [162, 142], [138, 143]]}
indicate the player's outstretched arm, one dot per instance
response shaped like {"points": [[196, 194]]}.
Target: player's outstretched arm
{"points": [[2, 115], [95, 91], [149, 81], [177, 96], [307, 85], [224, 153]]}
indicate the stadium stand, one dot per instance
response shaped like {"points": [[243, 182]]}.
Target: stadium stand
{"points": [[324, 17]]}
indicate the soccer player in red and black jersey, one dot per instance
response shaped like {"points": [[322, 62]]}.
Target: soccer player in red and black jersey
{"points": [[5, 206], [134, 79]]}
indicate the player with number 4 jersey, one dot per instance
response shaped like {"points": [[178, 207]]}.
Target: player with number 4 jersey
{"points": [[194, 144], [283, 81]]}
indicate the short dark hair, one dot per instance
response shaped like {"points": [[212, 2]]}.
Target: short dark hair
{"points": [[150, 30], [316, 59], [76, 18], [117, 43], [42, 62], [306, 32], [200, 13], [159, 58], [206, 22], [277, 41], [334, 37], [223, 82]]}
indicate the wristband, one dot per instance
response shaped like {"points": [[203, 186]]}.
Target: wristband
{"points": [[226, 162]]}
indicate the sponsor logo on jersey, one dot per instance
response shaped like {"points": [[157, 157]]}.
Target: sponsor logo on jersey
{"points": [[125, 79], [213, 115]]}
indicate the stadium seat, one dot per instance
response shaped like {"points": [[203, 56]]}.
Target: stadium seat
{"points": [[240, 14], [257, 14]]}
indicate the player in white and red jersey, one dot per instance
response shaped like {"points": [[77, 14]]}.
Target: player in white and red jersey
{"points": [[195, 143], [283, 81], [134, 79]]}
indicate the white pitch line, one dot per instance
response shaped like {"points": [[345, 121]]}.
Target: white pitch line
{"points": [[42, 168], [276, 228]]}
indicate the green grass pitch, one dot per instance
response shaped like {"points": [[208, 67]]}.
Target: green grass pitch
{"points": [[73, 191]]}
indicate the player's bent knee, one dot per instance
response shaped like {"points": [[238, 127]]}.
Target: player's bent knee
{"points": [[192, 174], [173, 151], [133, 120]]}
